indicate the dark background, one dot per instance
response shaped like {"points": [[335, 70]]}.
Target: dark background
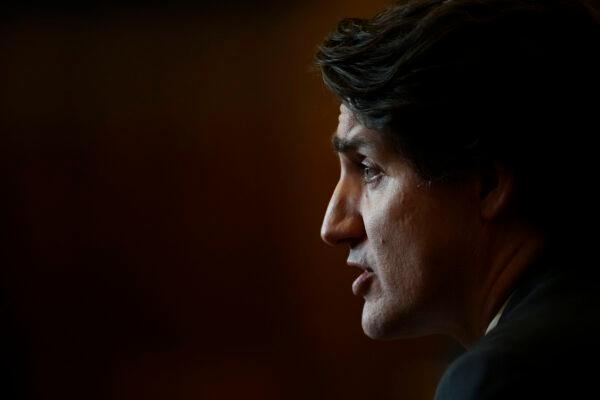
{"points": [[164, 174]]}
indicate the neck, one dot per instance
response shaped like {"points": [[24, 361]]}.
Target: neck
{"points": [[506, 266]]}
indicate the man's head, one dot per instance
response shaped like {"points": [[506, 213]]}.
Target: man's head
{"points": [[410, 236], [458, 120]]}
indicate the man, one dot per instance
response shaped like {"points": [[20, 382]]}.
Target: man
{"points": [[466, 148]]}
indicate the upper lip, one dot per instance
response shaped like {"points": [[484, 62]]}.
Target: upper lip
{"points": [[358, 265]]}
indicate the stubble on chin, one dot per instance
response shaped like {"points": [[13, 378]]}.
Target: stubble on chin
{"points": [[377, 320]]}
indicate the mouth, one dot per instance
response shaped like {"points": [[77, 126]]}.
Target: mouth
{"points": [[361, 285], [360, 266]]}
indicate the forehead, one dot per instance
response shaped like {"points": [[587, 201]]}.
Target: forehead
{"points": [[352, 135], [346, 120]]}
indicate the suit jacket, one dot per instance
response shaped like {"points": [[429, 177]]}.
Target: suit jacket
{"points": [[546, 344]]}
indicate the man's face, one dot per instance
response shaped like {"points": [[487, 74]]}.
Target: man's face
{"points": [[413, 238]]}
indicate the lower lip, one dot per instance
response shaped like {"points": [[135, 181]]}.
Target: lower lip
{"points": [[361, 285]]}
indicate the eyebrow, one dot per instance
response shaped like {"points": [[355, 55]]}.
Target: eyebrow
{"points": [[341, 145]]}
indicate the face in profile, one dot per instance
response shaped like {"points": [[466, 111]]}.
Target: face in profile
{"points": [[408, 237]]}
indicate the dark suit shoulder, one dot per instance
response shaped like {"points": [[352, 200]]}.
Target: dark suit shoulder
{"points": [[474, 376], [546, 344]]}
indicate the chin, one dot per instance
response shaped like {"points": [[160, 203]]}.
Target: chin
{"points": [[385, 333], [378, 325], [378, 328], [379, 333]]}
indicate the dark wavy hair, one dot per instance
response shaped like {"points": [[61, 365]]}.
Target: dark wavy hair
{"points": [[458, 84]]}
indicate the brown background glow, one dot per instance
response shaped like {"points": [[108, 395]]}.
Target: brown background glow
{"points": [[164, 174]]}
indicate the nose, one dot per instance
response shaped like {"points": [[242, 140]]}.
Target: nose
{"points": [[343, 221]]}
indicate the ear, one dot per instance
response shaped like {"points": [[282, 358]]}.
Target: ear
{"points": [[496, 191]]}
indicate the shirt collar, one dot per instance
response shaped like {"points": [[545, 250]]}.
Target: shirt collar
{"points": [[496, 319]]}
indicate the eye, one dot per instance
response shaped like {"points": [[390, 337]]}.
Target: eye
{"points": [[370, 173]]}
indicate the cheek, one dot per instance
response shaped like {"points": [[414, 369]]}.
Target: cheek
{"points": [[395, 241], [414, 239]]}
